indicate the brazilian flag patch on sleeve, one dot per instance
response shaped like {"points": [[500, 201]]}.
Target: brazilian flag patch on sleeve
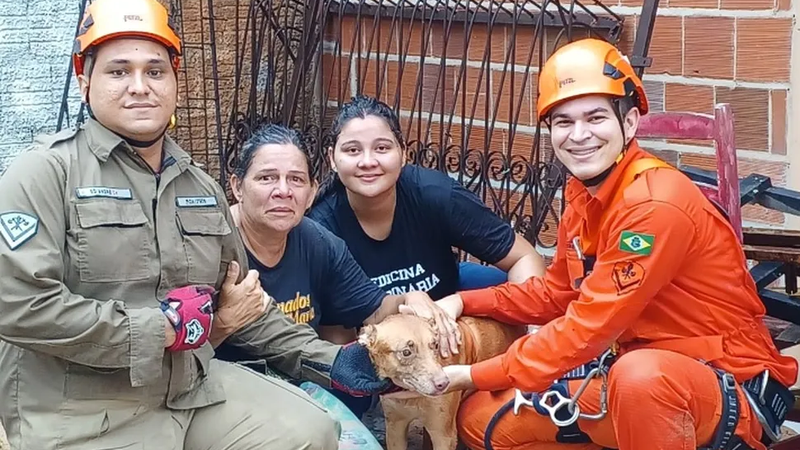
{"points": [[636, 243]]}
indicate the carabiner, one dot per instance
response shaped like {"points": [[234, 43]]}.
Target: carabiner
{"points": [[562, 402]]}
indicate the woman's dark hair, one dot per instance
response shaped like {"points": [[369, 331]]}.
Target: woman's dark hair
{"points": [[359, 107], [265, 135]]}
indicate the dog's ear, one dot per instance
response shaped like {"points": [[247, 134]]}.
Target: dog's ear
{"points": [[367, 336]]}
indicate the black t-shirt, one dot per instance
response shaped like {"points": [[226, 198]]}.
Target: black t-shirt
{"points": [[317, 282], [433, 214]]}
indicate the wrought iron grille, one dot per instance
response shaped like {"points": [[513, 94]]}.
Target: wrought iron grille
{"points": [[461, 74]]}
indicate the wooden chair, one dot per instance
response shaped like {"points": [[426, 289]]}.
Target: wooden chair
{"points": [[719, 128], [727, 191]]}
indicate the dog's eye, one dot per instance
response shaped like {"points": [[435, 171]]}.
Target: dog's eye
{"points": [[406, 352], [434, 345]]}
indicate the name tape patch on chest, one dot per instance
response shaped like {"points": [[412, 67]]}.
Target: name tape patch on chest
{"points": [[17, 227], [194, 202], [102, 191]]}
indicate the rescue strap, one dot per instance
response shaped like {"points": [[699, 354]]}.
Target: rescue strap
{"points": [[724, 439], [769, 400]]}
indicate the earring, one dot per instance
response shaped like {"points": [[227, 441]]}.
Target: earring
{"points": [[173, 121]]}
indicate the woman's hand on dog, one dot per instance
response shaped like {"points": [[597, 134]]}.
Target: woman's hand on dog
{"points": [[420, 304], [452, 305]]}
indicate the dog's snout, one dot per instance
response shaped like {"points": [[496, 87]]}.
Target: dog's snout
{"points": [[441, 381]]}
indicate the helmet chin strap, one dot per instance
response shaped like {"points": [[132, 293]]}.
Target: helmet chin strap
{"points": [[131, 141], [599, 178]]}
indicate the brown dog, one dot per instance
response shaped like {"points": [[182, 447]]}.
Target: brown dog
{"points": [[404, 349]]}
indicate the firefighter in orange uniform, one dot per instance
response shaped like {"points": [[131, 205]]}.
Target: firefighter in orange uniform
{"points": [[648, 273]]}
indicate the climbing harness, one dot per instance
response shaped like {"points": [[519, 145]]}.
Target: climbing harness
{"points": [[564, 411], [769, 401], [600, 369]]}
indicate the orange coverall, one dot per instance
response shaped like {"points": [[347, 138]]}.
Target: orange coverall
{"points": [[680, 294]]}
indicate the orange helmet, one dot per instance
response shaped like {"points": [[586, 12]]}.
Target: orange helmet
{"points": [[110, 19], [588, 66]]}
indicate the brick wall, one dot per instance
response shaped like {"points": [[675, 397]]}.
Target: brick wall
{"points": [[704, 51], [728, 51], [35, 43], [732, 51]]}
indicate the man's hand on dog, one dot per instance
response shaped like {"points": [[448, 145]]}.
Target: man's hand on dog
{"points": [[460, 378], [420, 304]]}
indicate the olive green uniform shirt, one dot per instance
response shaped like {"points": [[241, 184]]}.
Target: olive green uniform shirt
{"points": [[90, 239]]}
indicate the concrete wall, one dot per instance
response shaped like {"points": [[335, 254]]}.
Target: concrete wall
{"points": [[35, 42]]}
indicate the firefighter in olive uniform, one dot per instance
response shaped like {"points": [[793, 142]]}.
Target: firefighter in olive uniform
{"points": [[115, 253]]}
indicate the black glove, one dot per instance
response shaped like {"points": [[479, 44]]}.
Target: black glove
{"points": [[353, 373]]}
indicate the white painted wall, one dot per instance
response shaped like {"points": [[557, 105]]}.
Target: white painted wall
{"points": [[35, 43]]}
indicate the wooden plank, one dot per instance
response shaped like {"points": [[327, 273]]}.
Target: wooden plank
{"points": [[727, 166], [764, 253], [710, 193], [771, 232], [772, 238], [676, 125]]}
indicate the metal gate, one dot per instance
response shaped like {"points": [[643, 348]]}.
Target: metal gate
{"points": [[460, 74]]}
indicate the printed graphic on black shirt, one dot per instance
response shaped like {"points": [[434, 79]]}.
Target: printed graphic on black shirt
{"points": [[317, 282], [300, 308], [401, 281]]}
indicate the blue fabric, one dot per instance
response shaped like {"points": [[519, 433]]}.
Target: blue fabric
{"points": [[477, 276], [357, 405], [355, 435], [353, 372], [433, 214]]}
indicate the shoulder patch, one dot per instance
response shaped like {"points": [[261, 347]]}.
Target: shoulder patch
{"points": [[17, 227], [636, 243], [627, 276]]}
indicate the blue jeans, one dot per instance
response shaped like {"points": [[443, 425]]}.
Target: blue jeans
{"points": [[476, 276]]}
